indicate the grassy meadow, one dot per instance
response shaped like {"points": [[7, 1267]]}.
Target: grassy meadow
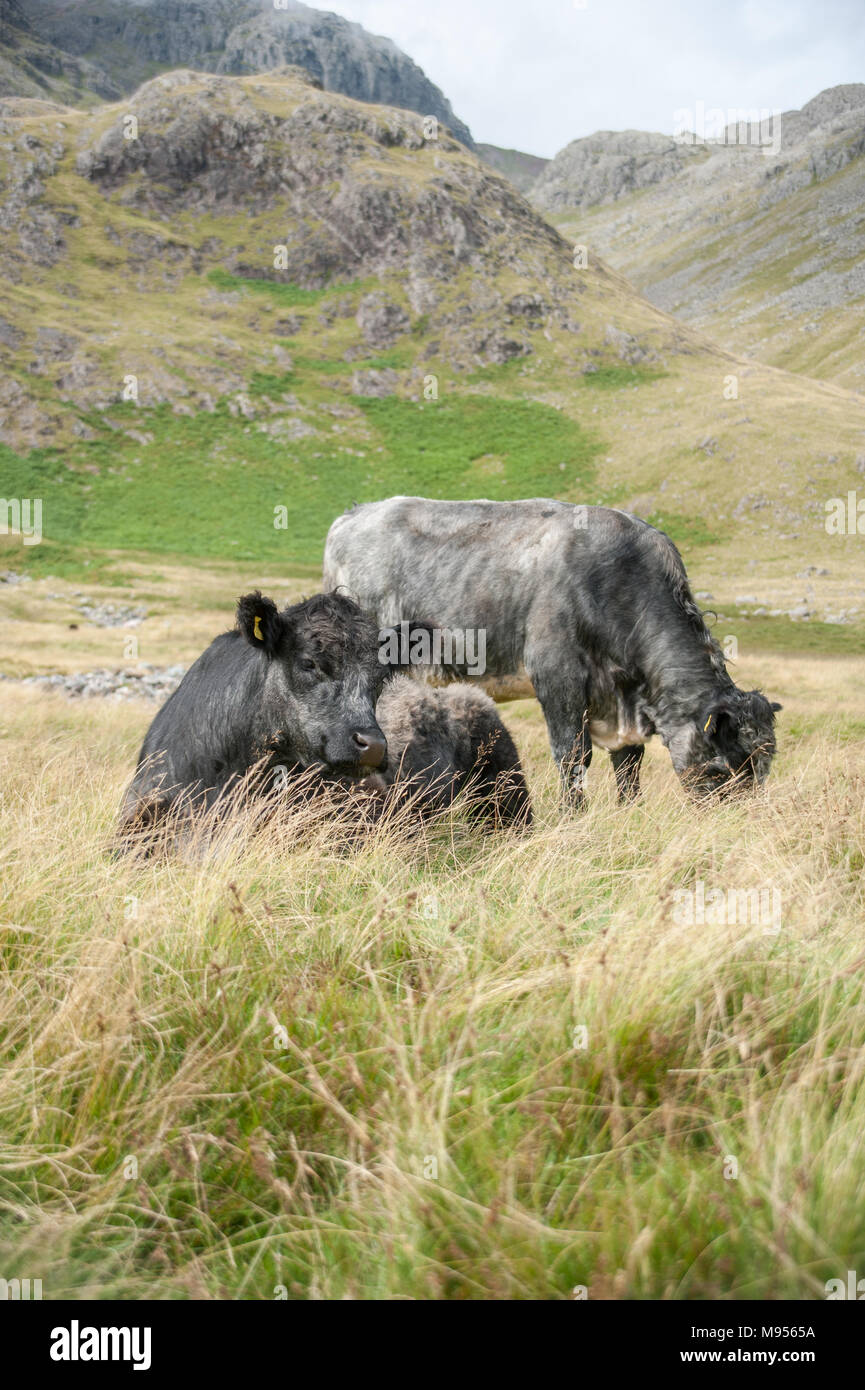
{"points": [[305, 1064]]}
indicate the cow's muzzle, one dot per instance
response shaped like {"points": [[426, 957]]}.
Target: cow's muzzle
{"points": [[717, 778], [371, 747]]}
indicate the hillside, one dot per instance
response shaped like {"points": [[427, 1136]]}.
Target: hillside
{"points": [[761, 249], [133, 40], [523, 170], [166, 388], [31, 67]]}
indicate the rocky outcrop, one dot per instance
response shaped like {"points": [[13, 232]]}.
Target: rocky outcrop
{"points": [[607, 166], [756, 238], [13, 20], [240, 36], [142, 682], [397, 247], [604, 167], [380, 320], [826, 110], [208, 144]]}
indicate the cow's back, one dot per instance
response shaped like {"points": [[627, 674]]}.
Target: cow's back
{"points": [[497, 566]]}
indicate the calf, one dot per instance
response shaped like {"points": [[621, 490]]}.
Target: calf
{"points": [[588, 608], [445, 741]]}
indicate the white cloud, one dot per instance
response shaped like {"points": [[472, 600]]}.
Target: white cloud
{"points": [[537, 73]]}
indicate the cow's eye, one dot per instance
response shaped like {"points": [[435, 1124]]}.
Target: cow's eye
{"points": [[307, 663]]}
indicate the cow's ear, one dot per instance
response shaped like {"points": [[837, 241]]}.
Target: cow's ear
{"points": [[776, 707], [408, 644], [715, 716], [258, 619]]}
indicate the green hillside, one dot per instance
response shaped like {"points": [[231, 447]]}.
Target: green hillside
{"points": [[226, 482], [424, 330]]}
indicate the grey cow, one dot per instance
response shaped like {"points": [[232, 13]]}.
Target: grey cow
{"points": [[589, 608]]}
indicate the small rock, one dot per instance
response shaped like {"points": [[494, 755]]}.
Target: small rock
{"points": [[374, 382], [112, 614]]}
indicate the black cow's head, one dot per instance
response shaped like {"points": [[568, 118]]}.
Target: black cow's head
{"points": [[733, 744], [322, 680]]}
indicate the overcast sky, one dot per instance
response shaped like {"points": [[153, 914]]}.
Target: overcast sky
{"points": [[535, 74]]}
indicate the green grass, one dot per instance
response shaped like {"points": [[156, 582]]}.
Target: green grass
{"points": [[803, 638], [304, 364], [689, 532], [468, 447], [282, 293], [209, 484]]}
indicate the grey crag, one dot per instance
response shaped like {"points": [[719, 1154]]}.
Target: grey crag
{"points": [[134, 39]]}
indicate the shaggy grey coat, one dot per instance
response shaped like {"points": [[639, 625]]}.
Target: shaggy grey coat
{"points": [[588, 608], [442, 741]]}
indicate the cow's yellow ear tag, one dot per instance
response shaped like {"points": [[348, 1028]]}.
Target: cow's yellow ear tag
{"points": [[256, 628], [705, 726]]}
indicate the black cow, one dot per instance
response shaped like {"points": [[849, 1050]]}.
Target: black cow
{"points": [[285, 691], [589, 608]]}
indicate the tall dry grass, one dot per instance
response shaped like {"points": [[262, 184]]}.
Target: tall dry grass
{"points": [[441, 1067]]}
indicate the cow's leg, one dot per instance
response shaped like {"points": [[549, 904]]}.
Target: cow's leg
{"points": [[572, 750], [626, 765], [564, 704]]}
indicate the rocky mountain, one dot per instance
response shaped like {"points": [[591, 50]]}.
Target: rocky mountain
{"points": [[603, 167], [759, 241], [523, 170], [608, 165], [32, 67], [134, 39], [225, 183], [824, 116]]}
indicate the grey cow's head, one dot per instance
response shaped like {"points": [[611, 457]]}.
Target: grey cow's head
{"points": [[732, 745], [322, 681]]}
